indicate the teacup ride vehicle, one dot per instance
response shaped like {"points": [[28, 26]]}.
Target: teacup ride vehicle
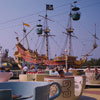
{"points": [[5, 76], [72, 86], [27, 90], [32, 76], [91, 78]]}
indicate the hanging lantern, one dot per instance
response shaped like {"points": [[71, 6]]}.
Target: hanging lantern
{"points": [[39, 29]]}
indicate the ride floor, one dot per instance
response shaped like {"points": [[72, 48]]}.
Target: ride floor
{"points": [[91, 93]]}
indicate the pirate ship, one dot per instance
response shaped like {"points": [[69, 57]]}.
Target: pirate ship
{"points": [[26, 55]]}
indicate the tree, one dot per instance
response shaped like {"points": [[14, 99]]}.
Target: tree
{"points": [[92, 62]]}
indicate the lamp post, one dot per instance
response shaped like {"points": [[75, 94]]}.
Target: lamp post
{"points": [[66, 59]]}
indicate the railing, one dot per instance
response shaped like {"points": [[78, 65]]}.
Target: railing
{"points": [[90, 66]]}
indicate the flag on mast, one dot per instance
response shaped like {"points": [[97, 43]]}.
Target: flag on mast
{"points": [[49, 7], [26, 24]]}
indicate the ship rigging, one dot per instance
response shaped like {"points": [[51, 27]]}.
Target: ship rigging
{"points": [[26, 55]]}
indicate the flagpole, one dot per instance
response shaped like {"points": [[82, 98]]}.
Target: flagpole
{"points": [[27, 34]]}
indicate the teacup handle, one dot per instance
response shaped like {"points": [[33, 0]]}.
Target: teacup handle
{"points": [[58, 92]]}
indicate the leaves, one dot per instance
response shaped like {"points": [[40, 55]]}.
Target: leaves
{"points": [[93, 62]]}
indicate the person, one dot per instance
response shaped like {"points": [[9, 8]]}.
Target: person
{"points": [[25, 69], [97, 75], [55, 72], [47, 68], [71, 68], [88, 69], [33, 69], [65, 70], [61, 73]]}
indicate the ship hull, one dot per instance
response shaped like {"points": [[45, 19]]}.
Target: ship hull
{"points": [[36, 59]]}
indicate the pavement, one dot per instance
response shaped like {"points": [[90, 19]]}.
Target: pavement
{"points": [[91, 94]]}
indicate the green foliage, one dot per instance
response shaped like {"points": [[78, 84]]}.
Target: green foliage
{"points": [[92, 62]]}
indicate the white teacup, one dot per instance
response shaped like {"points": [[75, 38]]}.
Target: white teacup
{"points": [[91, 78], [72, 87], [32, 77], [5, 76], [31, 90]]}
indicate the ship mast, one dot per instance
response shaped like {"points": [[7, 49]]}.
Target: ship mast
{"points": [[69, 31], [73, 15], [94, 45], [47, 35], [46, 30]]}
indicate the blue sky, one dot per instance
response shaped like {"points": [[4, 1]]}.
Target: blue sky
{"points": [[14, 12]]}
